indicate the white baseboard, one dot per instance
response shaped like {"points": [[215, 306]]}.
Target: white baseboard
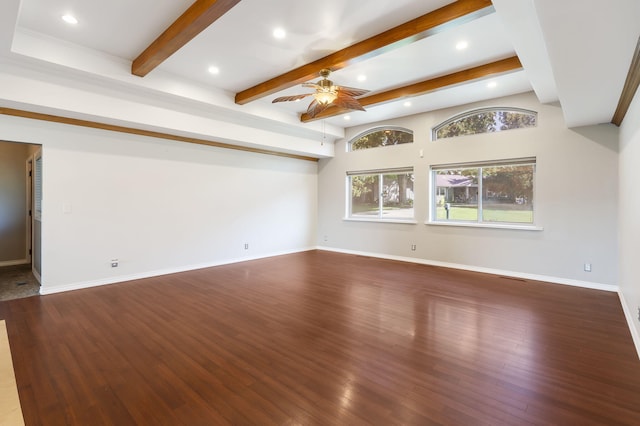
{"points": [[631, 322], [535, 277], [44, 290], [14, 262], [121, 278]]}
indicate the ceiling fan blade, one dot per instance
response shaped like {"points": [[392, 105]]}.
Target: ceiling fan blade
{"points": [[352, 91], [290, 98], [316, 108], [348, 102]]}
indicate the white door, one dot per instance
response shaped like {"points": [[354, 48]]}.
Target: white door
{"points": [[37, 215]]}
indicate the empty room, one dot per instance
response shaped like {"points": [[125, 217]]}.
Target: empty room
{"points": [[319, 213]]}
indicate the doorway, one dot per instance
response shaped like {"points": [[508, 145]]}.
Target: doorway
{"points": [[19, 233]]}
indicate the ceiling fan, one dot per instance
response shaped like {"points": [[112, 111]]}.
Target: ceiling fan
{"points": [[327, 94]]}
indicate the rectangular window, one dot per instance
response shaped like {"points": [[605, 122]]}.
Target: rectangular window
{"points": [[488, 192], [381, 194]]}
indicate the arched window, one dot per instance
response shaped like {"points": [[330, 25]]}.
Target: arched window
{"points": [[485, 120], [381, 136]]}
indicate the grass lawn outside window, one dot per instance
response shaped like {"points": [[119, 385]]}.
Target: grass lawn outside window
{"points": [[493, 192]]}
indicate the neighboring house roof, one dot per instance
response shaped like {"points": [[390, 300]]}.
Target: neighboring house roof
{"points": [[454, 181]]}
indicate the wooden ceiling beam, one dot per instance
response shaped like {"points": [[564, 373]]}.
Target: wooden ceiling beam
{"points": [[451, 15], [192, 22], [494, 68], [630, 88]]}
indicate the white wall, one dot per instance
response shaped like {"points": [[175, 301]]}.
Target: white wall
{"points": [[630, 216], [576, 199], [160, 206]]}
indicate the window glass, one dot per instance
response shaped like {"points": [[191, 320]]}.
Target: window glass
{"points": [[456, 194], [486, 120], [507, 189], [381, 194], [377, 137], [365, 195], [507, 194]]}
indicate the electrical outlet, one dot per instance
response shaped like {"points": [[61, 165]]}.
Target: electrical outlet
{"points": [[638, 313], [246, 246], [413, 247], [587, 267], [326, 238], [114, 263]]}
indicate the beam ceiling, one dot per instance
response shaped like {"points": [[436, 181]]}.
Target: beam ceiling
{"points": [[453, 14], [494, 68], [194, 20]]}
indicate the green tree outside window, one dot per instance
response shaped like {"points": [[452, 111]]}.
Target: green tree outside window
{"points": [[485, 121], [381, 137]]}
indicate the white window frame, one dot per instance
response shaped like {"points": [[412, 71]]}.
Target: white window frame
{"points": [[432, 220], [380, 216]]}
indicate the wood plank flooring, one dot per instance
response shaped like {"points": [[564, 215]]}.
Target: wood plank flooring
{"points": [[320, 338]]}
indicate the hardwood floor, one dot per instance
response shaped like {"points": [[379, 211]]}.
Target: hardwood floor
{"points": [[320, 338]]}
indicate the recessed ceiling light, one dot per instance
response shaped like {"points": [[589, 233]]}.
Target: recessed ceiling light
{"points": [[462, 45], [347, 117], [69, 19], [491, 84], [214, 70], [279, 33], [362, 77], [407, 104]]}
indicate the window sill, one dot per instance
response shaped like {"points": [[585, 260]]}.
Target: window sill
{"points": [[380, 220], [487, 225]]}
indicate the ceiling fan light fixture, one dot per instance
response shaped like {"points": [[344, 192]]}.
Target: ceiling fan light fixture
{"points": [[326, 95]]}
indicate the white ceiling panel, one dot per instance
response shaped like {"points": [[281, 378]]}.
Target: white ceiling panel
{"points": [[122, 28]]}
